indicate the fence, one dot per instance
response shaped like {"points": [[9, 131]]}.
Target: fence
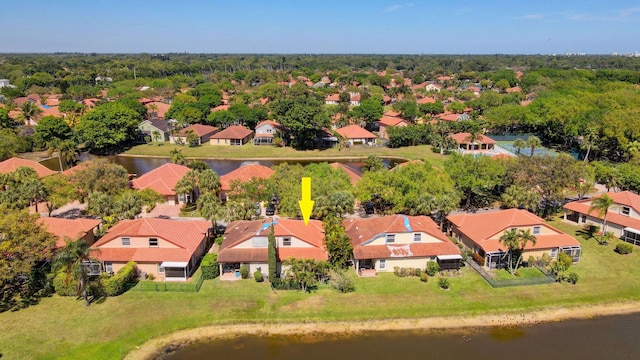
{"points": [[548, 277], [152, 286]]}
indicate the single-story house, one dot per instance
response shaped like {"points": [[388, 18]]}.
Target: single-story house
{"points": [[242, 174], [482, 143], [333, 99], [168, 249], [71, 229], [355, 99], [156, 129], [623, 217], [481, 233], [204, 133], [246, 243], [12, 164], [447, 116], [354, 134], [383, 243], [233, 135], [265, 131], [163, 180], [388, 121], [433, 87]]}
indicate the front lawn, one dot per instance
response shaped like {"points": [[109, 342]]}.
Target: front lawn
{"points": [[522, 273], [61, 327]]}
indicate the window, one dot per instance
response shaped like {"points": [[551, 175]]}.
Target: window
{"points": [[153, 242], [626, 210], [391, 238], [536, 230], [554, 253], [417, 237], [286, 241], [383, 264], [108, 267], [126, 241], [160, 269]]}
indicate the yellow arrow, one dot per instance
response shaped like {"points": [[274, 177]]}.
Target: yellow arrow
{"points": [[306, 205]]}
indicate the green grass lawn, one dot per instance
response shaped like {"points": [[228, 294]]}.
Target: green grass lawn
{"points": [[251, 151], [62, 327], [523, 273]]}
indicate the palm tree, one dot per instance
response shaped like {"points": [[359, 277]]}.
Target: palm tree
{"points": [[187, 185], [601, 205], [633, 148], [515, 240], [589, 141], [71, 260], [210, 207], [177, 157], [533, 142], [156, 135], [475, 135], [28, 110], [519, 144]]}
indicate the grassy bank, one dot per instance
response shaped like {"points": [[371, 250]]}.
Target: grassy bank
{"points": [[63, 328], [250, 151]]}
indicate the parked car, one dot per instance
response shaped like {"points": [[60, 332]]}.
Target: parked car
{"points": [[271, 210], [368, 208]]}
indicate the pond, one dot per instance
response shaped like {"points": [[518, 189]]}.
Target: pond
{"points": [[614, 337], [142, 165]]}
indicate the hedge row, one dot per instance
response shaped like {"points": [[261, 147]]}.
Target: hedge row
{"points": [[115, 285], [209, 266]]}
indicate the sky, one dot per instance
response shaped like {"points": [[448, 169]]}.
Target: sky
{"points": [[329, 26]]}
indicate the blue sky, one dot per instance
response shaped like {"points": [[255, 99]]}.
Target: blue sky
{"points": [[329, 26]]}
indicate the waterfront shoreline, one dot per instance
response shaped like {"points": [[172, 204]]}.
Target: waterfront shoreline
{"points": [[157, 346]]}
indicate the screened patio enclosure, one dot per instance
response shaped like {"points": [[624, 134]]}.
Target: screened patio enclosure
{"points": [[631, 235], [175, 271]]}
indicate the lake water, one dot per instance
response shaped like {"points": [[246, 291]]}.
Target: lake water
{"points": [[141, 165], [614, 337]]}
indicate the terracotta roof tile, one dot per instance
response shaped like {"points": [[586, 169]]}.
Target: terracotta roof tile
{"points": [[233, 132], [353, 175], [161, 179], [626, 198], [198, 129], [462, 138], [73, 229], [391, 121], [12, 164], [244, 174], [355, 132]]}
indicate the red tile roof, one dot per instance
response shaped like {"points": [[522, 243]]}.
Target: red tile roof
{"points": [[625, 198], [481, 227], [161, 179], [355, 132], [240, 231], [514, 89], [161, 110], [12, 164], [73, 229], [233, 132], [462, 138], [426, 100], [332, 97], [220, 108], [274, 124], [244, 174], [392, 113], [198, 129], [391, 121], [185, 234], [363, 231], [353, 175]]}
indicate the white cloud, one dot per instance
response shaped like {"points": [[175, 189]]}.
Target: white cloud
{"points": [[530, 17], [392, 8]]}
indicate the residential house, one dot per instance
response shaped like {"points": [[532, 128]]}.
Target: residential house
{"points": [[354, 135], [163, 180], [383, 243], [204, 133], [265, 131], [156, 129], [12, 164], [355, 99], [5, 82], [481, 233], [387, 122], [333, 99], [157, 109], [167, 249], [433, 87], [233, 135], [242, 174], [70, 229], [448, 116], [482, 143], [426, 100], [623, 217], [246, 243]]}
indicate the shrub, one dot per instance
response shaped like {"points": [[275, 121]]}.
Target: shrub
{"points": [[257, 275], [403, 272], [624, 248], [443, 283], [565, 260], [572, 278], [244, 271], [432, 268], [341, 282], [531, 261], [396, 270], [210, 267], [545, 260], [62, 288], [151, 277], [479, 259], [417, 272], [115, 285], [424, 277]]}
